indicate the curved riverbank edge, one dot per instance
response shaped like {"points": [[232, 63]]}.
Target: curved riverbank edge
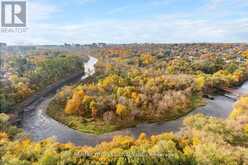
{"points": [[40, 126], [36, 98], [220, 107], [56, 112], [65, 134]]}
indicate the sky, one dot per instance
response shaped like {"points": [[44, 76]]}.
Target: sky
{"points": [[132, 21]]}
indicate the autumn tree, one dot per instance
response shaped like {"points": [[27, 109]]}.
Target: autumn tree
{"points": [[72, 106], [147, 58], [245, 54], [122, 110]]}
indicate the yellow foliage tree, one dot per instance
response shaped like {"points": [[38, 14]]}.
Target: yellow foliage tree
{"points": [[245, 54], [73, 104], [240, 108], [112, 80], [199, 82], [93, 107], [136, 98], [147, 58], [23, 89], [237, 75], [122, 110], [3, 136]]}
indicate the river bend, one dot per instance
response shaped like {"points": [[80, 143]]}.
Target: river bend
{"points": [[39, 126]]}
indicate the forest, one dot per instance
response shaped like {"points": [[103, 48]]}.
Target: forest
{"points": [[203, 140], [134, 85], [26, 75]]}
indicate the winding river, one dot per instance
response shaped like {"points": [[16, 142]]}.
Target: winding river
{"points": [[39, 126]]}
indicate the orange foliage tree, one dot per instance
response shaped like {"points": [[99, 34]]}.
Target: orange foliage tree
{"points": [[74, 103]]}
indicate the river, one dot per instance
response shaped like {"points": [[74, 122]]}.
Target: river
{"points": [[40, 126]]}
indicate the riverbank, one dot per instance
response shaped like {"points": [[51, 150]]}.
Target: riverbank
{"points": [[202, 139], [37, 97], [98, 126], [37, 120]]}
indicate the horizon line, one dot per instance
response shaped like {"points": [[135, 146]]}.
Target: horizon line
{"points": [[128, 43]]}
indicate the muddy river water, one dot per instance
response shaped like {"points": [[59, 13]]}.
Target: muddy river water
{"points": [[39, 126]]}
